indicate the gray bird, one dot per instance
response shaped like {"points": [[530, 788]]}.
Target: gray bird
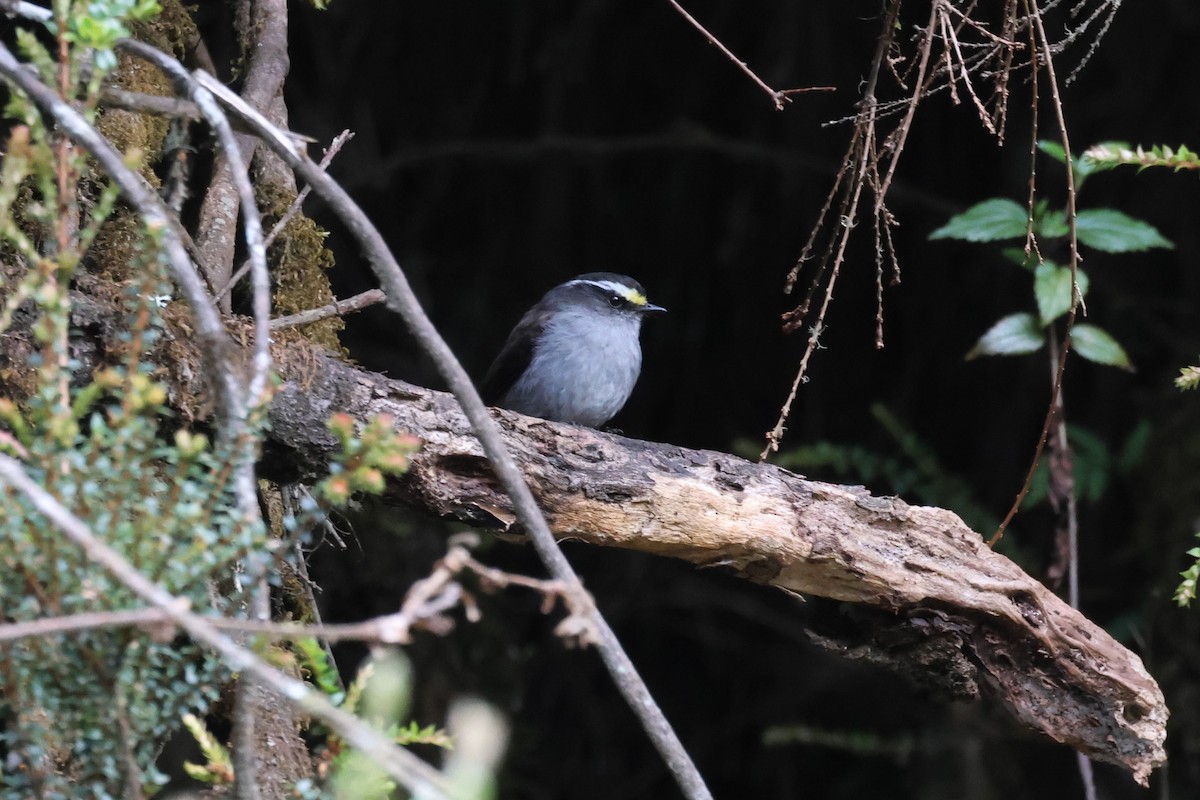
{"points": [[575, 356]]}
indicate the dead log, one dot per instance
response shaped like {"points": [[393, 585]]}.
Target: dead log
{"points": [[932, 600], [957, 612]]}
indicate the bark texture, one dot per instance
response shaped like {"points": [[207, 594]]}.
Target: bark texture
{"points": [[931, 599], [950, 604]]}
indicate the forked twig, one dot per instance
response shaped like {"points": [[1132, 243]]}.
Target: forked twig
{"points": [[338, 308], [781, 97], [859, 166], [292, 210]]}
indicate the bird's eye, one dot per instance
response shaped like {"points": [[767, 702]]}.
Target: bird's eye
{"points": [[615, 300]]}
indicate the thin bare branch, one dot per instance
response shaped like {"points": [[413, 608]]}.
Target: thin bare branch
{"points": [[20, 8], [161, 106], [339, 308], [402, 300], [248, 704], [423, 608], [334, 148], [859, 166], [781, 97], [386, 629], [235, 432], [155, 104], [292, 210], [267, 64], [906, 124], [149, 618], [1060, 116]]}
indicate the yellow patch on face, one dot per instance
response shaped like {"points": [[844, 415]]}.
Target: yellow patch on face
{"points": [[631, 295], [634, 296]]}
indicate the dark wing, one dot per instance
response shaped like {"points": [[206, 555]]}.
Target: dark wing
{"points": [[514, 358]]}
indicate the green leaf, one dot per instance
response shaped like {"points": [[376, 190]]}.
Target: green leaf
{"points": [[988, 221], [1051, 225], [1135, 446], [1093, 462], [1018, 256], [1081, 166], [1052, 289], [1012, 335], [145, 9], [1116, 232], [36, 52], [1053, 149], [1097, 345]]}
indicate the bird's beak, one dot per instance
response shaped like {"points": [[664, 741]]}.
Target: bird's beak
{"points": [[650, 307]]}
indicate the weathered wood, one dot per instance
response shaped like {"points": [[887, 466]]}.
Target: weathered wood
{"points": [[960, 607], [931, 600]]}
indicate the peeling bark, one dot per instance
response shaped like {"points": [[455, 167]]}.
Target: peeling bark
{"points": [[930, 598], [944, 597]]}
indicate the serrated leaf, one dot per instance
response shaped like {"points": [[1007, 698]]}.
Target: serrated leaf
{"points": [[1097, 345], [1052, 290], [1116, 232], [988, 221], [1012, 335]]}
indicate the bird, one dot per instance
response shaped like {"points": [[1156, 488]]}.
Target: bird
{"points": [[575, 355]]}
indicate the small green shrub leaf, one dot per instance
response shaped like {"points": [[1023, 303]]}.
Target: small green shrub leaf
{"points": [[1012, 335], [1052, 289], [1053, 149], [1052, 225], [988, 221], [1115, 232], [1018, 256], [1097, 345], [1082, 165]]}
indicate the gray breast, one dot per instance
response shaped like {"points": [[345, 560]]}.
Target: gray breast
{"points": [[582, 371]]}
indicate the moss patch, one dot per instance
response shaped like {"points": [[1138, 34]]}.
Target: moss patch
{"points": [[118, 245], [298, 260], [173, 30]]}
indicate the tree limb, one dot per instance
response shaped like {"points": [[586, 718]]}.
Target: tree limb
{"points": [[960, 609], [930, 598]]}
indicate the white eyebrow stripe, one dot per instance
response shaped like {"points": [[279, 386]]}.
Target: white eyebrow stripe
{"points": [[609, 286]]}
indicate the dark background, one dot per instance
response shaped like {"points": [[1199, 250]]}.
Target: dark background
{"points": [[503, 147]]}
